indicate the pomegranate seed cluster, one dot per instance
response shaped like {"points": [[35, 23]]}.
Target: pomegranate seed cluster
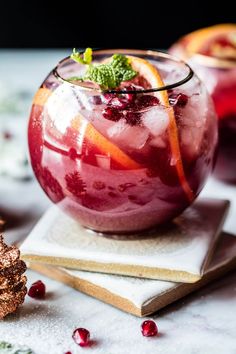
{"points": [[129, 106]]}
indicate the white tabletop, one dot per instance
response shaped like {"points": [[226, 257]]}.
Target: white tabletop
{"points": [[204, 322]]}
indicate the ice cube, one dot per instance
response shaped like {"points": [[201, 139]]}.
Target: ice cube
{"points": [[159, 142], [61, 107], [192, 126], [103, 161], [174, 75], [186, 136], [156, 119], [127, 136]]}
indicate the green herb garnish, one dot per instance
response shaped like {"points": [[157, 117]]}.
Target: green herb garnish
{"points": [[85, 59], [107, 76], [8, 348]]}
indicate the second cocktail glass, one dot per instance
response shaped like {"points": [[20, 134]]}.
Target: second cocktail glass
{"points": [[211, 52]]}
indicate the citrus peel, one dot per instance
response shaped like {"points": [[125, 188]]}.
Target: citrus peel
{"points": [[152, 75]]}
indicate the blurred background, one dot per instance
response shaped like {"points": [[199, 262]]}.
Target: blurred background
{"points": [[117, 23]]}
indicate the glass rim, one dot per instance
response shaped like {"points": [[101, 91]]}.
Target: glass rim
{"points": [[213, 62], [155, 53]]}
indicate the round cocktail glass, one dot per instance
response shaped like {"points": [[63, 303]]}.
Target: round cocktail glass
{"points": [[125, 160], [215, 64]]}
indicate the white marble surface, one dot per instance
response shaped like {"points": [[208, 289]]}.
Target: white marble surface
{"points": [[203, 323]]}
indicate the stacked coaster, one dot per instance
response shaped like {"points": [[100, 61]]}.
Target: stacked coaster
{"points": [[145, 273]]}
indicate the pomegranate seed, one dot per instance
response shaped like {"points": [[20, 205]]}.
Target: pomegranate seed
{"points": [[182, 100], [81, 336], [133, 118], [111, 114], [37, 290], [130, 96], [129, 88], [145, 101], [96, 100], [119, 103], [178, 99], [107, 97], [68, 353], [149, 328]]}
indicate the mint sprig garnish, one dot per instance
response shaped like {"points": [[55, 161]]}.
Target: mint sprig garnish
{"points": [[86, 58], [107, 75], [8, 348]]}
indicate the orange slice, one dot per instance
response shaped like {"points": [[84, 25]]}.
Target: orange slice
{"points": [[41, 96], [92, 135], [197, 39], [151, 74], [103, 144]]}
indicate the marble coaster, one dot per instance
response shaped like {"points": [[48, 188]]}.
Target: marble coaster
{"points": [[179, 252], [142, 297]]}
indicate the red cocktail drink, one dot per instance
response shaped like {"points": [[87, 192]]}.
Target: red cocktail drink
{"points": [[125, 159]]}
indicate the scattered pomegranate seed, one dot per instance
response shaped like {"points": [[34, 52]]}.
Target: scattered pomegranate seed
{"points": [[149, 328], [133, 118], [179, 99], [111, 114], [68, 353], [37, 290], [81, 336]]}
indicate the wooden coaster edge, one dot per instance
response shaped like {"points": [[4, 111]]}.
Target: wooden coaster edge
{"points": [[181, 290], [117, 269], [87, 287]]}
